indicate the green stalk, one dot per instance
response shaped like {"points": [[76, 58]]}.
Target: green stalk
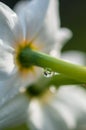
{"points": [[36, 58], [60, 79], [44, 83], [56, 80]]}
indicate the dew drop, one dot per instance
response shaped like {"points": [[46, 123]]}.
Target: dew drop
{"points": [[48, 72]]}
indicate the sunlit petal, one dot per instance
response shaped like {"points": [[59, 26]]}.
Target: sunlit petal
{"points": [[32, 14], [10, 28], [6, 63]]}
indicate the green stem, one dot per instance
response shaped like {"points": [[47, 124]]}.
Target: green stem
{"points": [[44, 83], [60, 79], [73, 71], [56, 80]]}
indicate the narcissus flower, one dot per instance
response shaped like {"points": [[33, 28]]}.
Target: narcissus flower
{"points": [[35, 25], [14, 37], [62, 109]]}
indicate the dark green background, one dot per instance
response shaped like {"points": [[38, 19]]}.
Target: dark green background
{"points": [[73, 16]]}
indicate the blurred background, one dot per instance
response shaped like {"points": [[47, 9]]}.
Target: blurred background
{"points": [[73, 16]]}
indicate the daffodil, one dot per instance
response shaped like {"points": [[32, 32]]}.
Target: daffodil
{"points": [[15, 36], [62, 109], [37, 28], [33, 26], [37, 25]]}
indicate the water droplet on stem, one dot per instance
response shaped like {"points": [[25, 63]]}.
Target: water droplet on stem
{"points": [[48, 72]]}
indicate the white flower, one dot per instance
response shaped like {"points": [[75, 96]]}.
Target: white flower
{"points": [[14, 36], [34, 24], [62, 109]]}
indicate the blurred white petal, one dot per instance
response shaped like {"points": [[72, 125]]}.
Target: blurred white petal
{"points": [[6, 64], [13, 105], [75, 98], [64, 110], [63, 35], [14, 111], [32, 14], [46, 37], [44, 117], [10, 28], [76, 57], [51, 36], [35, 114]]}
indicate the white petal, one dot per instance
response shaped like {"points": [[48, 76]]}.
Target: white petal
{"points": [[75, 93], [51, 36], [53, 18], [75, 57], [64, 112], [45, 40], [55, 119], [14, 111], [12, 104], [9, 88], [10, 28], [48, 117], [75, 98], [62, 36], [46, 37], [6, 63], [35, 115], [32, 14], [15, 84]]}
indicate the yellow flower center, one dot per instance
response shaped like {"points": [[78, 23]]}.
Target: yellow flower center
{"points": [[21, 58]]}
